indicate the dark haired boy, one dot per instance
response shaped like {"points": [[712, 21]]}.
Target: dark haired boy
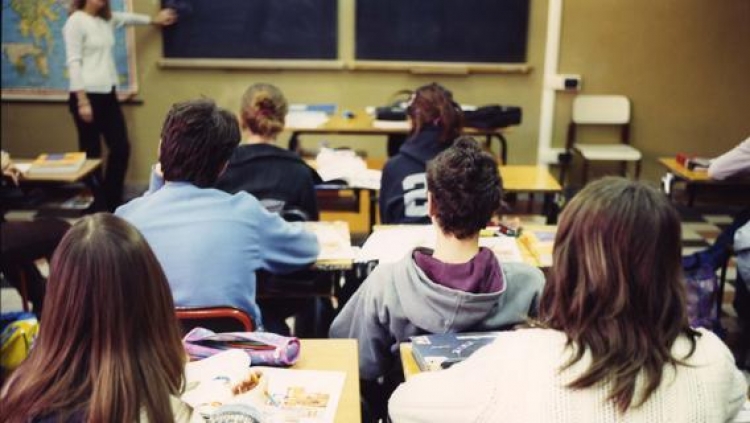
{"points": [[458, 287], [209, 242]]}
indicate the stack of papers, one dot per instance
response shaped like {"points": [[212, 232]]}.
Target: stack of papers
{"points": [[334, 239], [347, 167], [305, 119]]}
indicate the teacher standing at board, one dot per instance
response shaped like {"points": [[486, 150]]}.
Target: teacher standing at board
{"points": [[89, 40]]}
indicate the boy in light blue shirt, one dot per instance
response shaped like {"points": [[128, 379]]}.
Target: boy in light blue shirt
{"points": [[210, 243]]}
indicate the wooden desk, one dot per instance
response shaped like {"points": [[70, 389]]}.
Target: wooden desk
{"points": [[338, 355], [362, 124], [533, 179], [407, 360], [695, 180], [86, 170], [59, 182]]}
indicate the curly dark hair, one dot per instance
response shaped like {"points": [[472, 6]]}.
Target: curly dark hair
{"points": [[197, 139], [466, 188]]}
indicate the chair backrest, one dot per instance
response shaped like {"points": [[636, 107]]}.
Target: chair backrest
{"points": [[217, 319], [601, 109]]}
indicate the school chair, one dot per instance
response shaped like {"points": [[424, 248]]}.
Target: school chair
{"points": [[217, 319], [600, 111]]}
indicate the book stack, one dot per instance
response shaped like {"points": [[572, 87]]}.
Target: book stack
{"points": [[57, 163], [440, 351]]}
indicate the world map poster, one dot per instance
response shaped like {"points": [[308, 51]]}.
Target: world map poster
{"points": [[33, 50]]}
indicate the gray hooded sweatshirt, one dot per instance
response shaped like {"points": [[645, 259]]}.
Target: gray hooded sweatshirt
{"points": [[398, 301]]}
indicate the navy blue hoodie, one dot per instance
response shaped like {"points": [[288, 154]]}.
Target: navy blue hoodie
{"points": [[403, 187], [270, 172]]}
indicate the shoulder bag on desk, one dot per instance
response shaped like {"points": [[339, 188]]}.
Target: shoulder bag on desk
{"points": [[493, 116]]}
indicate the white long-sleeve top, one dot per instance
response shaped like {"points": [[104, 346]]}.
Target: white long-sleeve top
{"points": [[734, 162], [89, 41], [516, 380]]}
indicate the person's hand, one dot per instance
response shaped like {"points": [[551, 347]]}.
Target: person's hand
{"points": [[9, 169], [165, 17], [85, 112]]}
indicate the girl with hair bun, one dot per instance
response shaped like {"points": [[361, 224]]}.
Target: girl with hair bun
{"points": [[260, 167]]}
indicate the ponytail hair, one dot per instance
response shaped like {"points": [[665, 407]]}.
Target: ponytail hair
{"points": [[263, 110], [433, 105]]}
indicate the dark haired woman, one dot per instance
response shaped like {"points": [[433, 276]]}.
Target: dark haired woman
{"points": [[89, 40], [109, 349], [613, 342], [436, 120], [260, 167]]}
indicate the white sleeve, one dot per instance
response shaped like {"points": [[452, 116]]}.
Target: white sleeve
{"points": [[73, 34], [127, 18], [459, 394], [731, 163]]}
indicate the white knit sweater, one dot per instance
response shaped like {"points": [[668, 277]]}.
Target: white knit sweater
{"points": [[516, 380], [89, 41]]}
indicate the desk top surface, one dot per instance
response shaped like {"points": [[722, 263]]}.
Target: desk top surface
{"points": [[339, 355], [67, 177], [681, 171], [407, 360], [362, 123], [532, 253], [528, 178], [516, 178]]}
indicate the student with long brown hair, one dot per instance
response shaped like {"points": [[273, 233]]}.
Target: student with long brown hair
{"points": [[109, 347], [613, 342], [436, 121]]}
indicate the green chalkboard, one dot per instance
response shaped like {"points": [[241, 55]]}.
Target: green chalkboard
{"points": [[253, 29], [454, 31]]}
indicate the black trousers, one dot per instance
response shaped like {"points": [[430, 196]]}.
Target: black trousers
{"points": [[110, 123], [22, 244]]}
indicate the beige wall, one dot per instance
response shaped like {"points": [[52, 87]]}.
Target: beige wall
{"points": [[684, 64]]}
